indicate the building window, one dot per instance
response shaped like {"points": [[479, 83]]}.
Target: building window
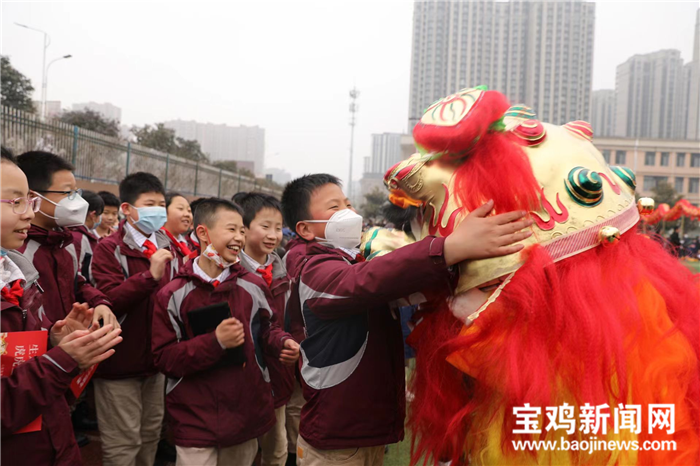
{"points": [[693, 185], [678, 185], [651, 182], [665, 156], [695, 160], [606, 156], [680, 160], [649, 158], [620, 157]]}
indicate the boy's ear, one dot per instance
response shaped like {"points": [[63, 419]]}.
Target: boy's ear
{"points": [[201, 233], [125, 208], [304, 231]]}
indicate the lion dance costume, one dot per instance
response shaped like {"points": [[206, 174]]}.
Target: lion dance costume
{"points": [[590, 314]]}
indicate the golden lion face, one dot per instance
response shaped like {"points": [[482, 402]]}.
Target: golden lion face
{"points": [[579, 193]]}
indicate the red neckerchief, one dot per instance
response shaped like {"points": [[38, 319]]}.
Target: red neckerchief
{"points": [[266, 273], [182, 246], [150, 248], [13, 293]]}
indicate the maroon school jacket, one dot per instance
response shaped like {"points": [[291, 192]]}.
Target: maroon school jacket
{"points": [[85, 243], [281, 376], [122, 272], [352, 357], [214, 405], [55, 257], [36, 387]]}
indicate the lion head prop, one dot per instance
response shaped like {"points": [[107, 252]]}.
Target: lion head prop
{"points": [[591, 317]]}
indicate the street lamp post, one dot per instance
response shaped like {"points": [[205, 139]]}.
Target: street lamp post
{"points": [[47, 42], [46, 82], [354, 94]]}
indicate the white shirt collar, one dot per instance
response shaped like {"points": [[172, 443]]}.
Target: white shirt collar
{"points": [[139, 238], [9, 272], [204, 276], [350, 252], [255, 265]]}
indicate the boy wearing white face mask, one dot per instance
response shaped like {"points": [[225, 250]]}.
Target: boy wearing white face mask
{"points": [[352, 348], [50, 246], [130, 266]]}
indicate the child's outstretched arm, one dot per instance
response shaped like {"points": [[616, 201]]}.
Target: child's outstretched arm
{"points": [[332, 288]]}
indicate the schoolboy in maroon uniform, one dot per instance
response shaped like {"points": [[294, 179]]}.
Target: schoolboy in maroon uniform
{"points": [[262, 217], [218, 409], [130, 266], [352, 351], [49, 244], [38, 386]]}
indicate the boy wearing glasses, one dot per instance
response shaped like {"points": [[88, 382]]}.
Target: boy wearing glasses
{"points": [[36, 426], [49, 244]]}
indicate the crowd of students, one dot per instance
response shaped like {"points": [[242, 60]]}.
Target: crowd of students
{"points": [[188, 312]]}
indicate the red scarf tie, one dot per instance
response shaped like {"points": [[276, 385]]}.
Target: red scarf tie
{"points": [[150, 248], [13, 293], [266, 273]]}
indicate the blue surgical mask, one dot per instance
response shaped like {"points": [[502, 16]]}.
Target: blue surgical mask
{"points": [[151, 219], [97, 223]]}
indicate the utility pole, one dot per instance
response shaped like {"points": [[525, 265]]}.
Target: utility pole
{"points": [[354, 94]]}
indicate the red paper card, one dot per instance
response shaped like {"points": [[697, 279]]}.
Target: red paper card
{"points": [[80, 382], [17, 348]]}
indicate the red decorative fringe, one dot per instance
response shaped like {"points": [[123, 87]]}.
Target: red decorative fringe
{"points": [[565, 329]]}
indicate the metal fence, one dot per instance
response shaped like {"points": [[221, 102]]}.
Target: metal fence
{"points": [[105, 159]]}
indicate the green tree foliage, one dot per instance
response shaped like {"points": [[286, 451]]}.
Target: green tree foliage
{"points": [[372, 208], [16, 88], [92, 121], [163, 139]]}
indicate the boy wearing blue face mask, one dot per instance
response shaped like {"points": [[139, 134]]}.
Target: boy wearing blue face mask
{"points": [[131, 266], [352, 358]]}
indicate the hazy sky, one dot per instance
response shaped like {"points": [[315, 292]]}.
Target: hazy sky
{"points": [[285, 66]]}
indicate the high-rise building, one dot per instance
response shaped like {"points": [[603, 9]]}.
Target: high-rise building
{"points": [[386, 152], [53, 108], [603, 112], [649, 92], [278, 175], [693, 76], [107, 110], [223, 142], [536, 53]]}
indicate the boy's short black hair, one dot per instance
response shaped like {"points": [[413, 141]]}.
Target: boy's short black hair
{"points": [[252, 203], [110, 199], [297, 195], [139, 183], [195, 203], [95, 202], [40, 167], [7, 155], [170, 196], [208, 207]]}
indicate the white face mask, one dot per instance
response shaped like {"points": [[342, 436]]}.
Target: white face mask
{"points": [[213, 255], [69, 212], [343, 229]]}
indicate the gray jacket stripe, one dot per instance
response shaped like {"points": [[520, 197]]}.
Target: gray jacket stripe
{"points": [[121, 258], [174, 305], [54, 362], [319, 378], [174, 314], [31, 249], [74, 255], [259, 302]]}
